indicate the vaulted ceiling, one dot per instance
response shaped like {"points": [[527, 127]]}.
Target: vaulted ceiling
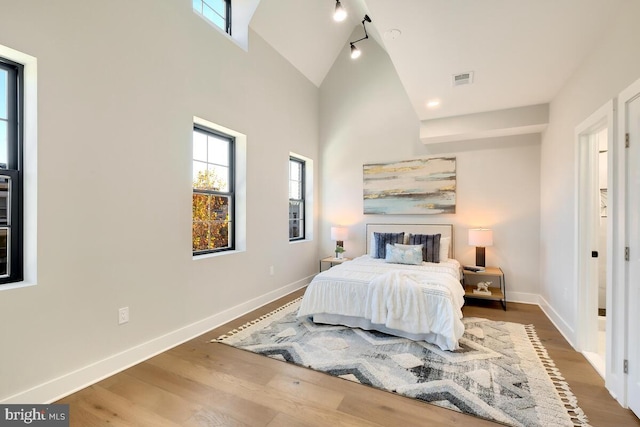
{"points": [[520, 52]]}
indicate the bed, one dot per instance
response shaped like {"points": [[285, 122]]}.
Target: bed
{"points": [[419, 300]]}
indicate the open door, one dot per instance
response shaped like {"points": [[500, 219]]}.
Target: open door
{"points": [[630, 117]]}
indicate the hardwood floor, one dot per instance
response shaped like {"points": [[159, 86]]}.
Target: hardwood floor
{"points": [[203, 384]]}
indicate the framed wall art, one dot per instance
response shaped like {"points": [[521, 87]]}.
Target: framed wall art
{"points": [[419, 186]]}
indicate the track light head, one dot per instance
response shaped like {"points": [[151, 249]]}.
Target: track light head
{"points": [[340, 13], [355, 52]]}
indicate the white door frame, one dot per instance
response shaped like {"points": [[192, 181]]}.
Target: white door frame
{"points": [[586, 227], [627, 381]]}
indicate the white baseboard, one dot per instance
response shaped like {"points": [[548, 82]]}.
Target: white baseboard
{"points": [[558, 321], [71, 382], [523, 297]]}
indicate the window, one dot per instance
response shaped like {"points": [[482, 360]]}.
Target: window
{"points": [[11, 92], [296, 199], [213, 191], [216, 11]]}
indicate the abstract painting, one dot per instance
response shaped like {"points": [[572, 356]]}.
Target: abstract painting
{"points": [[419, 186]]}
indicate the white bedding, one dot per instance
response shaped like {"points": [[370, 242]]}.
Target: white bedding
{"points": [[421, 302]]}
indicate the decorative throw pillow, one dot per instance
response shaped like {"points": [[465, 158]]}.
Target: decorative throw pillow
{"points": [[431, 245], [398, 255], [445, 242], [381, 240]]}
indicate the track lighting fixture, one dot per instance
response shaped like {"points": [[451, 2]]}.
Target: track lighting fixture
{"points": [[340, 14], [355, 52]]}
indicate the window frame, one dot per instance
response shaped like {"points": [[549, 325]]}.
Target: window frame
{"points": [[14, 170], [231, 193], [227, 20], [303, 200]]}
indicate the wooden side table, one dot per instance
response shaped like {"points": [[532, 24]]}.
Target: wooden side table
{"points": [[495, 275], [332, 261]]}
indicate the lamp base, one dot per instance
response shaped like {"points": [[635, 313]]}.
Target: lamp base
{"points": [[480, 261]]}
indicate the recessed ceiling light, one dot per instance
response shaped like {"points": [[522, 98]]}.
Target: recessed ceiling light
{"points": [[392, 34], [433, 103]]}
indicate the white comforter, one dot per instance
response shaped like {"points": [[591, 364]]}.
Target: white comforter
{"points": [[413, 301]]}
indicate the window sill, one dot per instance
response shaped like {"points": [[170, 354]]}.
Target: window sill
{"points": [[216, 254], [294, 242], [16, 285]]}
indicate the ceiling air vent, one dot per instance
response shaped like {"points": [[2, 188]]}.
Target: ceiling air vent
{"points": [[463, 78]]}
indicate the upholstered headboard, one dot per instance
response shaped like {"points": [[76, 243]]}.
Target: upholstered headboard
{"points": [[445, 230]]}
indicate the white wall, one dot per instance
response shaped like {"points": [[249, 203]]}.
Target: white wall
{"points": [[612, 66], [119, 84], [366, 117]]}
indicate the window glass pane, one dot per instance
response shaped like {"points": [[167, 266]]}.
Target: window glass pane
{"points": [[200, 175], [197, 5], [5, 242], [218, 150], [4, 156], [5, 183], [217, 5], [295, 190], [294, 170], [296, 210], [199, 146], [210, 222], [219, 178], [295, 229], [214, 17], [4, 94]]}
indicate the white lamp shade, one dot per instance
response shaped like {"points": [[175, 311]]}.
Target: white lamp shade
{"points": [[480, 237], [339, 233]]}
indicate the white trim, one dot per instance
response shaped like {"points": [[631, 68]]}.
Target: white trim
{"points": [[309, 197], [561, 325], [619, 381], [240, 168], [30, 165], [523, 298], [585, 230], [71, 382]]}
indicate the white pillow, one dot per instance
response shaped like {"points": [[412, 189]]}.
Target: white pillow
{"points": [[445, 242], [373, 249]]}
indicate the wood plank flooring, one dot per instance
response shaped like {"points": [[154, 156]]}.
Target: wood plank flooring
{"points": [[203, 384]]}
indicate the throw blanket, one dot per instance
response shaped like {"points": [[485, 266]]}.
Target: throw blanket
{"points": [[418, 303]]}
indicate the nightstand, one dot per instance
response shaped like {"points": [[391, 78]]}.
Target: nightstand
{"points": [[495, 275], [332, 261]]}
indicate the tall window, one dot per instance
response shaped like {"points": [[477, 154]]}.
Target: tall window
{"points": [[296, 199], [216, 11], [11, 93], [213, 191]]}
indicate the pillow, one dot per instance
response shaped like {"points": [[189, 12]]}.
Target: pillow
{"points": [[431, 245], [445, 242], [398, 255], [405, 247], [381, 240]]}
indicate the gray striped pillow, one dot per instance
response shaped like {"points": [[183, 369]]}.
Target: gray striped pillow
{"points": [[430, 248], [381, 240]]}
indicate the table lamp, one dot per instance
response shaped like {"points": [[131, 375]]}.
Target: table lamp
{"points": [[480, 238], [339, 234]]}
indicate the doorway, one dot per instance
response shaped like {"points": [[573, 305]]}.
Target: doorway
{"points": [[593, 137]]}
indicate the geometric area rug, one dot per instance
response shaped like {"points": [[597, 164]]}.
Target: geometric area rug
{"points": [[501, 372]]}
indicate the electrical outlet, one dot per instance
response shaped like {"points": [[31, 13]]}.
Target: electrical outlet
{"points": [[123, 315], [272, 270]]}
